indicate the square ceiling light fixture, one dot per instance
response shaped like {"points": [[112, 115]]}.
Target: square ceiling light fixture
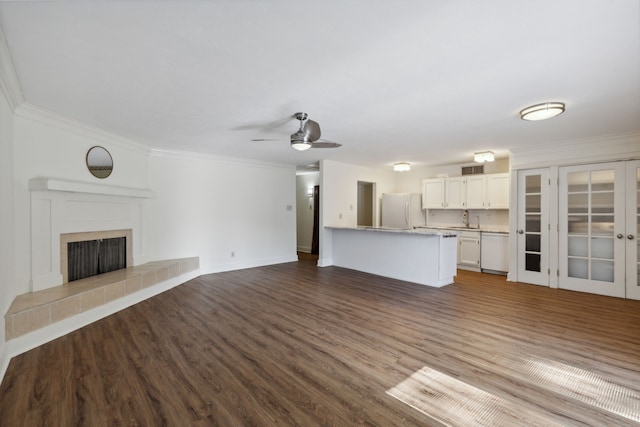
{"points": [[542, 111], [484, 156], [401, 167]]}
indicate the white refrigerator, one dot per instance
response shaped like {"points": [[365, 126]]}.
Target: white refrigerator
{"points": [[402, 210]]}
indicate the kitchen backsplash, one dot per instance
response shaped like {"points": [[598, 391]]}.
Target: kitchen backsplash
{"points": [[497, 219]]}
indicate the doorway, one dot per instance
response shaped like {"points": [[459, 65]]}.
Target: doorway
{"points": [[366, 204]]}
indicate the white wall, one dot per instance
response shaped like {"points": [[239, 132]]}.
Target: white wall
{"points": [[339, 198], [210, 207], [304, 212], [52, 146], [7, 255]]}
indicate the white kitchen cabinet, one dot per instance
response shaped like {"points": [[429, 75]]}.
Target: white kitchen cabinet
{"points": [[455, 193], [469, 250], [467, 192], [488, 191], [497, 191], [433, 191], [476, 191]]}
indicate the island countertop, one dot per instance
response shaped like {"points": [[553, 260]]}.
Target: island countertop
{"points": [[422, 231], [424, 256]]}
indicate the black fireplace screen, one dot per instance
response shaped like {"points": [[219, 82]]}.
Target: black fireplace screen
{"points": [[93, 257]]}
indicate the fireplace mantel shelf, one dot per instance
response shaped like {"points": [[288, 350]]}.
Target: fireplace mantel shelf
{"points": [[55, 184]]}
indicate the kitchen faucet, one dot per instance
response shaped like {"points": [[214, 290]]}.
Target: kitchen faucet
{"points": [[465, 218]]}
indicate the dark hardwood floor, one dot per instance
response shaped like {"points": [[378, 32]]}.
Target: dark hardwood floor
{"points": [[293, 344]]}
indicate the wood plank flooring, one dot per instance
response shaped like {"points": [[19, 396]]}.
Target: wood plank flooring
{"points": [[293, 344]]}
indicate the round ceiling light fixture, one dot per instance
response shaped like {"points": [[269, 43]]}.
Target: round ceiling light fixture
{"points": [[543, 111]]}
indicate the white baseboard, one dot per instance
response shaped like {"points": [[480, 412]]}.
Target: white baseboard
{"points": [[240, 265], [324, 262]]}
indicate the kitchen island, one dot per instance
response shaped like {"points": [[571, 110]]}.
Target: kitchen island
{"points": [[427, 257]]}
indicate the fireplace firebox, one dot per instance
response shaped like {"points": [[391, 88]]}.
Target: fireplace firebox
{"points": [[92, 257]]}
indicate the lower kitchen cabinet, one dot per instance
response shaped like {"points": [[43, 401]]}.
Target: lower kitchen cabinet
{"points": [[469, 250]]}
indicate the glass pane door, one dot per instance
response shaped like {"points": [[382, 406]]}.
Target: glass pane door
{"points": [[533, 226], [633, 230], [592, 218]]}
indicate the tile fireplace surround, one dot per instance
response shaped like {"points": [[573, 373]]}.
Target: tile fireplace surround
{"points": [[92, 235], [36, 310]]}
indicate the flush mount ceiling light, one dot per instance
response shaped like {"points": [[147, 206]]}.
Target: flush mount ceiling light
{"points": [[542, 111], [484, 156], [401, 167]]}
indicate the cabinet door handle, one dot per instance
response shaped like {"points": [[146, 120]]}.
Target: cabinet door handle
{"points": [[630, 236], [520, 231], [620, 236]]}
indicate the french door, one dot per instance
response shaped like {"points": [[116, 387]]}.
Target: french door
{"points": [[598, 228], [533, 226], [633, 230]]}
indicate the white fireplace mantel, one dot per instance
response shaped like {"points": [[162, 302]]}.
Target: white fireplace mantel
{"points": [[61, 206], [55, 184]]}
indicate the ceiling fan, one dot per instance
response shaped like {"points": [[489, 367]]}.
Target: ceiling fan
{"points": [[308, 136]]}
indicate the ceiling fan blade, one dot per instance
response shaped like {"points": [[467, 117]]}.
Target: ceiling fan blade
{"points": [[267, 139], [325, 144], [265, 126], [312, 129]]}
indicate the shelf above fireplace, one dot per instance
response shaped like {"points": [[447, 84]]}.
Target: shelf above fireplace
{"points": [[55, 184]]}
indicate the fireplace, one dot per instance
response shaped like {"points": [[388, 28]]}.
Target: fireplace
{"points": [[92, 257], [92, 253]]}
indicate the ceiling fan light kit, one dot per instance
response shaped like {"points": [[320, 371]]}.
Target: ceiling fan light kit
{"points": [[542, 111], [307, 136], [300, 145], [484, 156]]}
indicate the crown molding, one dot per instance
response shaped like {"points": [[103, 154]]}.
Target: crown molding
{"points": [[604, 148], [32, 112], [9, 83]]}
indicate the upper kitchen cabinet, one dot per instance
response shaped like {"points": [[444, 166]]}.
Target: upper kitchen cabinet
{"points": [[467, 192], [497, 189], [476, 192], [433, 191], [456, 193], [444, 193]]}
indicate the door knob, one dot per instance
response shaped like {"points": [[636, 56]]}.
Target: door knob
{"points": [[630, 236], [520, 231], [620, 236]]}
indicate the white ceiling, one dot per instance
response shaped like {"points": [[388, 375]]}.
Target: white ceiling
{"points": [[428, 82]]}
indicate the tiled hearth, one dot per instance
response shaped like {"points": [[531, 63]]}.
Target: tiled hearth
{"points": [[35, 310]]}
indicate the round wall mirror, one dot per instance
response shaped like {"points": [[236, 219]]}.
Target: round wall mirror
{"points": [[99, 162]]}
